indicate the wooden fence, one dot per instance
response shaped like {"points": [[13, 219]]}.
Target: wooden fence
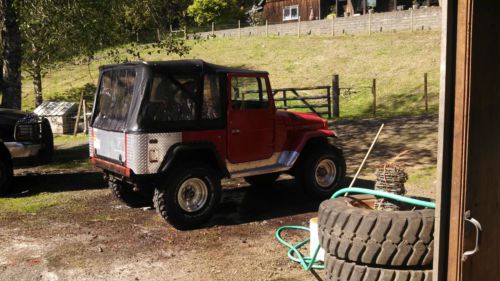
{"points": [[329, 101], [324, 107]]}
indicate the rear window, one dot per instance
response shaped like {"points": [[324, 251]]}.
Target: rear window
{"points": [[113, 99]]}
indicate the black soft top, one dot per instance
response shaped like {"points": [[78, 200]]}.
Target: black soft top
{"points": [[183, 66]]}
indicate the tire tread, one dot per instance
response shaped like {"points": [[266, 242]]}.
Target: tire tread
{"points": [[340, 270], [401, 238]]}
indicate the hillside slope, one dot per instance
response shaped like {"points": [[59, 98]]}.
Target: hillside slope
{"points": [[397, 60]]}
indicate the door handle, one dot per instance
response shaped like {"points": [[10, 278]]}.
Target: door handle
{"points": [[235, 131], [479, 229]]}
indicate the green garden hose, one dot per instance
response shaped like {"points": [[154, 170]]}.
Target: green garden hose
{"points": [[309, 263]]}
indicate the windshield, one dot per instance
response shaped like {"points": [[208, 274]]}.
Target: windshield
{"points": [[113, 99]]}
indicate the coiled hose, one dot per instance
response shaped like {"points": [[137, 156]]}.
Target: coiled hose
{"points": [[309, 263]]}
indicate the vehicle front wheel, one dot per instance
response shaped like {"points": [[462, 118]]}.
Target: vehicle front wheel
{"points": [[6, 175], [189, 196], [321, 171]]}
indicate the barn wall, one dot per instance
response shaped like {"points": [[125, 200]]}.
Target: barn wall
{"points": [[273, 10]]}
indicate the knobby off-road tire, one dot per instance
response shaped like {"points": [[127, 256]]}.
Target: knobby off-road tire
{"points": [[180, 200], [262, 181], [124, 192], [371, 237], [313, 170], [339, 270], [6, 175]]}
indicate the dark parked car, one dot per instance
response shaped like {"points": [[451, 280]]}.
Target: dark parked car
{"points": [[22, 135]]}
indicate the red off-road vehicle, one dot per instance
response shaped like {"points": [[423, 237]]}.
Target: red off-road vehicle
{"points": [[175, 129]]}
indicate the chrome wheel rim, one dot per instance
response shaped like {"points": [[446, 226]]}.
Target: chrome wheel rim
{"points": [[192, 195], [325, 173]]}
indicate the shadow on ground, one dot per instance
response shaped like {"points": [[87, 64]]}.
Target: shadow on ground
{"points": [[252, 203], [32, 184]]}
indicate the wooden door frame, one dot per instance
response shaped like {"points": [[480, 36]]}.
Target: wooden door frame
{"points": [[461, 23], [445, 139], [460, 142]]}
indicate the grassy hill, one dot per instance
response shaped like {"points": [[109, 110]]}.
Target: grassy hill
{"points": [[397, 60]]}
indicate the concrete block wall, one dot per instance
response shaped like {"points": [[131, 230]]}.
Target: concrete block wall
{"points": [[423, 18]]}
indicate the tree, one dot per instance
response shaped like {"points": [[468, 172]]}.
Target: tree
{"points": [[55, 30], [11, 56], [221, 11], [150, 14]]}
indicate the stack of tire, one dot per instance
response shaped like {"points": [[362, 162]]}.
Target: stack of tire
{"points": [[364, 244]]}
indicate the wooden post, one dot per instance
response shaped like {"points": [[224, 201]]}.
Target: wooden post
{"points": [[185, 32], [426, 97], [239, 28], [85, 121], [333, 27], [298, 28], [213, 29], [137, 37], [336, 95], [267, 29], [285, 105], [411, 19], [370, 22], [374, 94], [78, 114], [158, 34], [329, 99]]}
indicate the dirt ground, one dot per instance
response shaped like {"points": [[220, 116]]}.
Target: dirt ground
{"points": [[74, 229]]}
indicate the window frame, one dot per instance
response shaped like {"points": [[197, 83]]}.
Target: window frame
{"points": [[290, 8], [263, 81]]}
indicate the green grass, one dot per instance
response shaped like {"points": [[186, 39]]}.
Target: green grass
{"points": [[58, 138], [422, 177], [49, 204], [32, 204], [397, 60]]}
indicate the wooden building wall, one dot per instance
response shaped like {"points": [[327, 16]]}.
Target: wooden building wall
{"points": [[273, 9]]}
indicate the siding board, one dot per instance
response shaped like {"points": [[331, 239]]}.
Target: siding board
{"points": [[273, 10]]}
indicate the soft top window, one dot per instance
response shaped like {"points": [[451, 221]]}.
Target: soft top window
{"points": [[172, 98], [113, 99]]}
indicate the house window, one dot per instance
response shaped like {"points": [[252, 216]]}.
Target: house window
{"points": [[291, 13]]}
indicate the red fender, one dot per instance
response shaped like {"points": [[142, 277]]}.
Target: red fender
{"points": [[302, 140]]}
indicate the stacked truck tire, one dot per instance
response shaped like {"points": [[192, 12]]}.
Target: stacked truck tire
{"points": [[364, 244]]}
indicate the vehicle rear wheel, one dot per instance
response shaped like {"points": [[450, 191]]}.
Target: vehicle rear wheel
{"points": [[6, 175], [321, 171], [190, 195], [124, 192], [262, 181]]}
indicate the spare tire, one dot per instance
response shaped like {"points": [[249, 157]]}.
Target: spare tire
{"points": [[351, 230], [339, 270]]}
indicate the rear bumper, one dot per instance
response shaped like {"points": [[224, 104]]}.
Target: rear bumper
{"points": [[23, 149], [109, 166]]}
